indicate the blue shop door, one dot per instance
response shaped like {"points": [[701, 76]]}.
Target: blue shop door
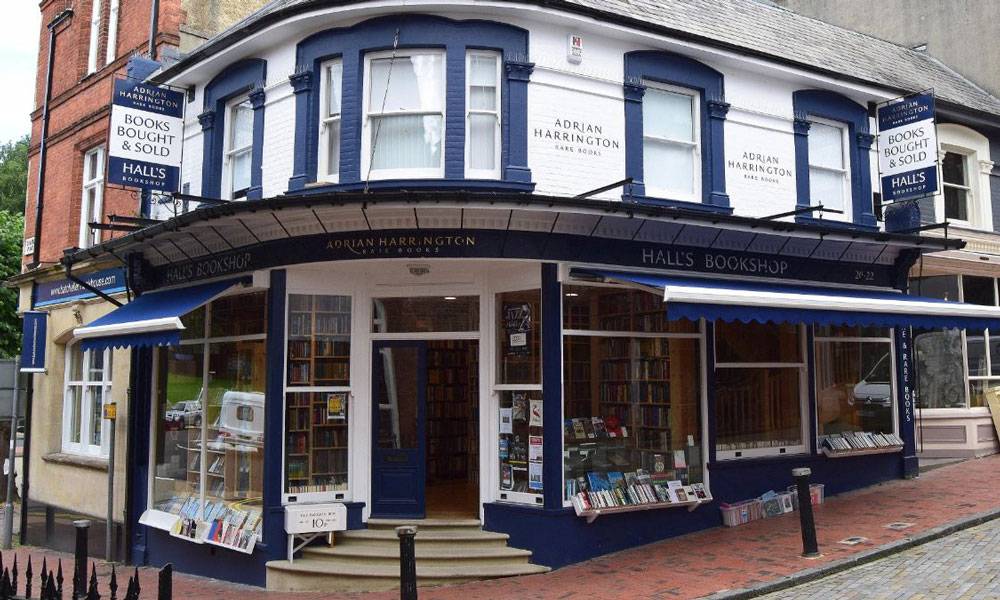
{"points": [[399, 384]]}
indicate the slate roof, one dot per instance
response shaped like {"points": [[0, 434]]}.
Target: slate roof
{"points": [[749, 26]]}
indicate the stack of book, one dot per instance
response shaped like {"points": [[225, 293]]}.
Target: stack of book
{"points": [[849, 441], [613, 489]]}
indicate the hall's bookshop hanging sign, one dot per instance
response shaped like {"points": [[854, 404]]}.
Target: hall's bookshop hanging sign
{"points": [[144, 144], [907, 148]]}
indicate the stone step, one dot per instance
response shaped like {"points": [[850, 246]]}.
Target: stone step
{"points": [[336, 574], [428, 555], [426, 536], [426, 524]]}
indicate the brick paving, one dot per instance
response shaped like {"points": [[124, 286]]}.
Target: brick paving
{"points": [[702, 563], [962, 565]]}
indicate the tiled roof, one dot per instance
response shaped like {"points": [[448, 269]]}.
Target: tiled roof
{"points": [[749, 25]]}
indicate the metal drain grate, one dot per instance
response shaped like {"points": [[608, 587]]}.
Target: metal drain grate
{"points": [[899, 525], [853, 540]]}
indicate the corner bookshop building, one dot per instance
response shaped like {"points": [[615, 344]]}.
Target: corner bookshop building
{"points": [[400, 306]]}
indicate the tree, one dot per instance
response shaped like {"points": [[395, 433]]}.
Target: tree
{"points": [[11, 237], [13, 175]]}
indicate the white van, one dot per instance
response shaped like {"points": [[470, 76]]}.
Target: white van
{"points": [[241, 418]]}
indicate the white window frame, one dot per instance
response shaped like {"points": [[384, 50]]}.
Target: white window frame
{"points": [[111, 52], [817, 340], [95, 36], [495, 172], [845, 147], [803, 369], [88, 213], [971, 197], [326, 120], [84, 447], [695, 194], [229, 153], [366, 150], [975, 147]]}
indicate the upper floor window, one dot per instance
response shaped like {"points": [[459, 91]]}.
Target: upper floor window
{"points": [[91, 206], [955, 186], [88, 384], [101, 13], [404, 115], [671, 148], [329, 121], [239, 146], [829, 167], [482, 127]]}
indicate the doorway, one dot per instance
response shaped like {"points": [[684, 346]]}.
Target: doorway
{"points": [[425, 459]]}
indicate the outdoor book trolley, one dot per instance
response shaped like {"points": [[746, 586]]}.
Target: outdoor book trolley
{"points": [[639, 496]]}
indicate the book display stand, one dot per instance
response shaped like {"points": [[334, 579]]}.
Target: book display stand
{"points": [[848, 443]]}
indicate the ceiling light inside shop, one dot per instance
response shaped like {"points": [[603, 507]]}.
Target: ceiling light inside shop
{"points": [[450, 298]]}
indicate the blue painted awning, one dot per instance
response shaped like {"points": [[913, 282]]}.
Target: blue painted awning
{"points": [[692, 298], [153, 319]]}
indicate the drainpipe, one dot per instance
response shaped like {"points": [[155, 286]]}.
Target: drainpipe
{"points": [[154, 24], [42, 145]]}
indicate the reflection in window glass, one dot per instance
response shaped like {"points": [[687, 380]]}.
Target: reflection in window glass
{"points": [[519, 337], [975, 346], [241, 314], [757, 343], [177, 449], [757, 408], [939, 372], [598, 308], [980, 391], [978, 290], [425, 314], [942, 287], [854, 386]]}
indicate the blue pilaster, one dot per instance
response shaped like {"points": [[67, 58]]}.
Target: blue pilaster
{"points": [[905, 400], [302, 82], [633, 93], [800, 128], [552, 426], [256, 189], [137, 452], [274, 419], [515, 142]]}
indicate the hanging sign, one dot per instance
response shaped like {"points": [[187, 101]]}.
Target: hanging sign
{"points": [[907, 148], [33, 342], [144, 144]]}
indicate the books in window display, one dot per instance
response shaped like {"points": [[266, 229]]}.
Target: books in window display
{"points": [[613, 492], [860, 443]]}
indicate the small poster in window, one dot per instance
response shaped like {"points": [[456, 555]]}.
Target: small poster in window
{"points": [[336, 406], [506, 477], [504, 450], [535, 475], [517, 326], [534, 447], [506, 424], [536, 414], [520, 405]]}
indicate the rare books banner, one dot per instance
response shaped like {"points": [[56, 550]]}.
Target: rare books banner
{"points": [[907, 148], [144, 144]]}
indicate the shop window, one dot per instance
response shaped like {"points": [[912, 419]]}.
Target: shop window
{"points": [[618, 309], [425, 314], [632, 405], [318, 395], [208, 448], [829, 161], [88, 384], [92, 203], [955, 184], [854, 380], [239, 147], [832, 157], [404, 115], [482, 102], [329, 121], [939, 369], [942, 287], [674, 120], [671, 149], [759, 378], [519, 337]]}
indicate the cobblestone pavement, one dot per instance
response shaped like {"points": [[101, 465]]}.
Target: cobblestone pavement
{"points": [[962, 565], [701, 563]]}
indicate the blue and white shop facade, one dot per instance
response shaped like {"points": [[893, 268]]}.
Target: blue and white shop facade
{"points": [[398, 296]]}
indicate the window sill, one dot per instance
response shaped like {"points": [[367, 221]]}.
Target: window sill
{"points": [[695, 206], [472, 185], [77, 460]]}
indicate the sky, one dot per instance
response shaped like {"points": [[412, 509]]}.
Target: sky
{"points": [[18, 54]]}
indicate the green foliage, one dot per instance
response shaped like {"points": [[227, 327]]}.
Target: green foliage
{"points": [[11, 235], [13, 175]]}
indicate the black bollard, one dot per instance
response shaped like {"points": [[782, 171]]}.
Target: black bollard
{"points": [[80, 559], [165, 589], [407, 562], [810, 549]]}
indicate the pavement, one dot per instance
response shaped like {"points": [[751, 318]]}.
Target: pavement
{"points": [[740, 562]]}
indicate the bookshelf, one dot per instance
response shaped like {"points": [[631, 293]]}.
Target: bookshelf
{"points": [[452, 421], [315, 445], [319, 340]]}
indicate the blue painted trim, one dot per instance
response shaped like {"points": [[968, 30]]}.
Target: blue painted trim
{"points": [[813, 429], [681, 71], [274, 418], [905, 400], [235, 80], [831, 105], [256, 190], [415, 31], [710, 409], [552, 410], [474, 185], [138, 440]]}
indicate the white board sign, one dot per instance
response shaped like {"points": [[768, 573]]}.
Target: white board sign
{"points": [[315, 518], [907, 148]]}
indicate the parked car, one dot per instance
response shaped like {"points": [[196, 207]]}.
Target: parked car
{"points": [[183, 415]]}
